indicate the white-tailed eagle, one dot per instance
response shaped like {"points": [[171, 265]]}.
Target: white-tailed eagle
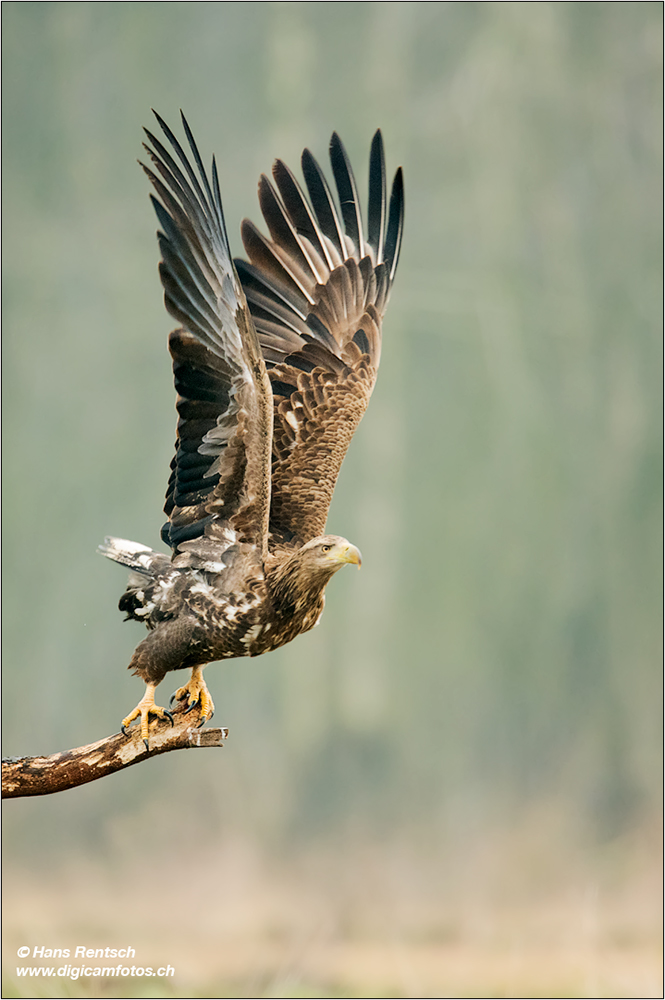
{"points": [[274, 363]]}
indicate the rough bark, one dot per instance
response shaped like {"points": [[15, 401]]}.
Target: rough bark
{"points": [[22, 776]]}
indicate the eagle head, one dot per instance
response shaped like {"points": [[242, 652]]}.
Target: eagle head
{"points": [[325, 555]]}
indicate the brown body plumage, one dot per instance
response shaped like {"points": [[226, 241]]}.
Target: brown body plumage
{"points": [[274, 365]]}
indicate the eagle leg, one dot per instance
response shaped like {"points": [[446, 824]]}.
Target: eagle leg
{"points": [[145, 708], [196, 692]]}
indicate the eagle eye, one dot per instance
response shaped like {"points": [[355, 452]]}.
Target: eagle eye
{"points": [[326, 548]]}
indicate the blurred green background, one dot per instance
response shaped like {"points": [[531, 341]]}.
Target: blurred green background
{"points": [[451, 787]]}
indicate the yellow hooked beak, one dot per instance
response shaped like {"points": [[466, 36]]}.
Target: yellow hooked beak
{"points": [[350, 554]]}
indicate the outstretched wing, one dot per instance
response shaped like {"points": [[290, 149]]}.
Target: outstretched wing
{"points": [[317, 291], [219, 492]]}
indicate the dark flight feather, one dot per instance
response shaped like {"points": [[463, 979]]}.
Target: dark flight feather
{"points": [[322, 201], [395, 225], [376, 202], [348, 195]]}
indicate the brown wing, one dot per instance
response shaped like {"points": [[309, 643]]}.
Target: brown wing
{"points": [[219, 491], [317, 291]]}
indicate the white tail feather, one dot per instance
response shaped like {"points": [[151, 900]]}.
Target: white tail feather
{"points": [[138, 557]]}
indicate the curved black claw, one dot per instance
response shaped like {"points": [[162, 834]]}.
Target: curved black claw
{"points": [[146, 744], [193, 705], [202, 722], [168, 715], [124, 731]]}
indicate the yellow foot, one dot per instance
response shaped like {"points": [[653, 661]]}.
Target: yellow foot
{"points": [[196, 693], [145, 708]]}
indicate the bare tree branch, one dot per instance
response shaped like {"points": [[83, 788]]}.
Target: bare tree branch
{"points": [[23, 776]]}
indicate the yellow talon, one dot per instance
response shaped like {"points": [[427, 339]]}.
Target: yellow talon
{"points": [[145, 708], [196, 692]]}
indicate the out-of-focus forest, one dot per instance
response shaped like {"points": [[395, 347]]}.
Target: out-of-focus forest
{"points": [[451, 787]]}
